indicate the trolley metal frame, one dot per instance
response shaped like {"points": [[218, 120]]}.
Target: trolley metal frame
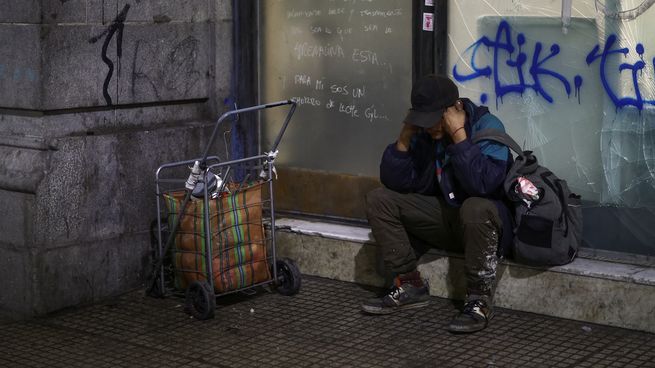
{"points": [[156, 284]]}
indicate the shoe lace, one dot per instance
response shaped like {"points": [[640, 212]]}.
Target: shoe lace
{"points": [[475, 306], [395, 292]]}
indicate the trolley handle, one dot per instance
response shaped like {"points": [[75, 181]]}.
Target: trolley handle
{"points": [[248, 109], [286, 122], [280, 103]]}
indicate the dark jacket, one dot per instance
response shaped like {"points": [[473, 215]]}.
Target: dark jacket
{"points": [[457, 171]]}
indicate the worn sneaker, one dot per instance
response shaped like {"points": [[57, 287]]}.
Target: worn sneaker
{"points": [[405, 296], [475, 317]]}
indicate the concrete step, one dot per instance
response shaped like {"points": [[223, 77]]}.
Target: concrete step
{"points": [[586, 290]]}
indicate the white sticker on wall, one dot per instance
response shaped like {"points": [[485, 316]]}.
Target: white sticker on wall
{"points": [[429, 2], [428, 22]]}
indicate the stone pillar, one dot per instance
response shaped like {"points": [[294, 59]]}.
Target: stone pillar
{"points": [[94, 95]]}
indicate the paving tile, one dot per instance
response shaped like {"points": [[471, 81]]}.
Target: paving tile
{"points": [[319, 327]]}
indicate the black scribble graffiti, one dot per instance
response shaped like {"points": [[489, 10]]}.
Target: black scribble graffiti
{"points": [[178, 72], [117, 26]]}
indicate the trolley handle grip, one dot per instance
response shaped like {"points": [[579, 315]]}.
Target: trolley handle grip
{"points": [[279, 103]]}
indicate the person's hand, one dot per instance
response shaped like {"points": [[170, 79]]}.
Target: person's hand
{"points": [[406, 134], [453, 123]]}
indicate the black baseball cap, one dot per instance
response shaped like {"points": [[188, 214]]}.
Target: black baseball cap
{"points": [[431, 96]]}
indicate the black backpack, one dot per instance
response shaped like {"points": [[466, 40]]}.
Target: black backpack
{"points": [[548, 216]]}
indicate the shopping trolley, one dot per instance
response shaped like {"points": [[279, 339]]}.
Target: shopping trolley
{"points": [[215, 230]]}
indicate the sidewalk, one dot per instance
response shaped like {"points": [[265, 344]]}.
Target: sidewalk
{"points": [[319, 327]]}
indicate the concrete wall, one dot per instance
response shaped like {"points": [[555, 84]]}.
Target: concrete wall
{"points": [[94, 95]]}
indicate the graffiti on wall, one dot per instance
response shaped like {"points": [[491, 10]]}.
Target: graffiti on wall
{"points": [[636, 70], [509, 60], [178, 73], [159, 68], [115, 28], [503, 48], [17, 74]]}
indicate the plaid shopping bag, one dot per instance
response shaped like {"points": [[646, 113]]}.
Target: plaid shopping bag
{"points": [[239, 255]]}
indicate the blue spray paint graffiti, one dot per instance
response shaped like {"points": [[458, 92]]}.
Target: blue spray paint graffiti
{"points": [[503, 49], [636, 69], [17, 74]]}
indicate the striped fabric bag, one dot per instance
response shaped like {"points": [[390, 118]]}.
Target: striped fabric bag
{"points": [[239, 256]]}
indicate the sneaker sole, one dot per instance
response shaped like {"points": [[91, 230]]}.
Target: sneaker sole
{"points": [[471, 328], [389, 310]]}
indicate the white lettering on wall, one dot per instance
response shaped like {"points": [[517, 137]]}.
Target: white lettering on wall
{"points": [[365, 56], [307, 100], [293, 13], [307, 50], [302, 79]]}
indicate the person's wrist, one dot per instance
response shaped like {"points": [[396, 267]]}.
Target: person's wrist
{"points": [[457, 130], [458, 134]]}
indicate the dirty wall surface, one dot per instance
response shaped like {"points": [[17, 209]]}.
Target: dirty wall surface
{"points": [[94, 95]]}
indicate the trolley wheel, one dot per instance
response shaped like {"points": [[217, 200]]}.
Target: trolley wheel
{"points": [[288, 276], [200, 300]]}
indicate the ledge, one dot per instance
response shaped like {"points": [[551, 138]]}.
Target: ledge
{"points": [[328, 230], [580, 266], [587, 290]]}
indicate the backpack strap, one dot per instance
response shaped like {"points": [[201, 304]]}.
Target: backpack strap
{"points": [[528, 163], [498, 136], [557, 188]]}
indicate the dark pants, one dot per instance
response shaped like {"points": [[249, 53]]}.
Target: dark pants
{"points": [[405, 226]]}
